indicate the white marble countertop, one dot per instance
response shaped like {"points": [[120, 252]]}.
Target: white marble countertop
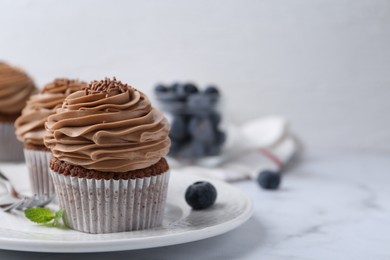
{"points": [[331, 206]]}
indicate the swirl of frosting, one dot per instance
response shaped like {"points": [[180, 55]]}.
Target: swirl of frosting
{"points": [[30, 126], [15, 89], [108, 127]]}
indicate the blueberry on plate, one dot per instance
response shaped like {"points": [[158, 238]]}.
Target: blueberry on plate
{"points": [[269, 180], [201, 195]]}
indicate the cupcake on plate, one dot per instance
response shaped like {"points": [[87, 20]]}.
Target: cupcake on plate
{"points": [[30, 130], [108, 167], [15, 89]]}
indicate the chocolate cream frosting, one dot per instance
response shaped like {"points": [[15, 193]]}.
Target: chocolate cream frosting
{"points": [[108, 127], [15, 89], [30, 126]]}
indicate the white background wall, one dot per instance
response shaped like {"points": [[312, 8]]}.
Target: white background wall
{"points": [[325, 65]]}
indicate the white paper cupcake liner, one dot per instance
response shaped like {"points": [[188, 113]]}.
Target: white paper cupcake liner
{"points": [[107, 206], [38, 167], [11, 150]]}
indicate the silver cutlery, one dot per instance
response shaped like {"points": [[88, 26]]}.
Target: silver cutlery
{"points": [[12, 195], [14, 200], [28, 202]]}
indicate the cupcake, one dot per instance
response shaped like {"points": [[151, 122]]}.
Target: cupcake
{"points": [[15, 89], [108, 166], [30, 130]]}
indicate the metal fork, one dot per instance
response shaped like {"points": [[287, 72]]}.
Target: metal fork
{"points": [[10, 188], [12, 195], [14, 200], [28, 202]]}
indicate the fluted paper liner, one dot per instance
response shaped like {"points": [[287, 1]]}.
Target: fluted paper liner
{"points": [[11, 150], [38, 163], [107, 206]]}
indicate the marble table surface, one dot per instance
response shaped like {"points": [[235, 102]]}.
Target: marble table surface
{"points": [[332, 205]]}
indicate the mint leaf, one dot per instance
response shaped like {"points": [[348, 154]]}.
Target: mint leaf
{"points": [[39, 215], [46, 217], [58, 218], [59, 214]]}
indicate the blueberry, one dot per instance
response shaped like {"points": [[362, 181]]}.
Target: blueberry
{"points": [[269, 179], [201, 129], [214, 149], [160, 88], [185, 90], [167, 96], [190, 88], [174, 86], [215, 118], [200, 103], [220, 137], [171, 93], [211, 90], [201, 195], [197, 149], [178, 128], [192, 150], [175, 147]]}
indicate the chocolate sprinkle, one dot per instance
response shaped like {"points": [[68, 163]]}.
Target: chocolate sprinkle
{"points": [[107, 86]]}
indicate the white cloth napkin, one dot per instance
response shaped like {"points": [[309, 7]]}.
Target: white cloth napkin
{"points": [[264, 143]]}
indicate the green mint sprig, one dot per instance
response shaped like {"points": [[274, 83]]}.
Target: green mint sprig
{"points": [[46, 217]]}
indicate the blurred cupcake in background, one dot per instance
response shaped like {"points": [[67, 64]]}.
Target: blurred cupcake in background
{"points": [[15, 89], [30, 130]]}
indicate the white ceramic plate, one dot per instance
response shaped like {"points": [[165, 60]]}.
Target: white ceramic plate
{"points": [[181, 225]]}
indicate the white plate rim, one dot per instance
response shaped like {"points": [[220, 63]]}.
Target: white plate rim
{"points": [[111, 245]]}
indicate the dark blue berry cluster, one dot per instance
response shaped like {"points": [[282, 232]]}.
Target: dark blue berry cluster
{"points": [[195, 126]]}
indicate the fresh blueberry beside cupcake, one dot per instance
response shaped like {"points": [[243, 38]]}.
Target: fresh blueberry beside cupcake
{"points": [[15, 89], [108, 144], [30, 130]]}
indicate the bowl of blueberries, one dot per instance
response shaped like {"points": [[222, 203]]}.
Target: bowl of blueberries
{"points": [[197, 131]]}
